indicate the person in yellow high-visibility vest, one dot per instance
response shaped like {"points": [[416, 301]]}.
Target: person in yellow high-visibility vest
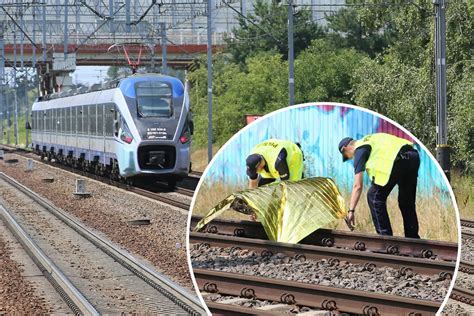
{"points": [[274, 159], [388, 161]]}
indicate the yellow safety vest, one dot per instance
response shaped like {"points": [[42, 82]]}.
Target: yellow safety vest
{"points": [[384, 151], [270, 149]]}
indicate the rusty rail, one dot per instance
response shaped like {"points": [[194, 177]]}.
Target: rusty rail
{"points": [[317, 296], [467, 223], [462, 295], [342, 239], [220, 309], [302, 252], [466, 267]]}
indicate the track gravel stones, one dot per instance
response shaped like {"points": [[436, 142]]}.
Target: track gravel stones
{"points": [[465, 281], [109, 210], [323, 272], [17, 295], [453, 307], [467, 253]]}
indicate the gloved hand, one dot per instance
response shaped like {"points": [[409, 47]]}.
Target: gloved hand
{"points": [[350, 220]]}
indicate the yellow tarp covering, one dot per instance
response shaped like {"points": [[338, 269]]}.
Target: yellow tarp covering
{"points": [[289, 210]]}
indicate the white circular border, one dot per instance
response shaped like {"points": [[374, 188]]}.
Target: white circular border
{"points": [[453, 198]]}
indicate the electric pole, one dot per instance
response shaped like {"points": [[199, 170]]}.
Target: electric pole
{"points": [[291, 55], [209, 80], [164, 61], [442, 147]]}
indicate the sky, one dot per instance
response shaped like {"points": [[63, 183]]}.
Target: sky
{"points": [[88, 75]]}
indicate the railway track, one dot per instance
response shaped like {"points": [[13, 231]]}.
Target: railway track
{"points": [[300, 252], [320, 297], [150, 193], [335, 247], [458, 293], [86, 269], [467, 223], [446, 251]]}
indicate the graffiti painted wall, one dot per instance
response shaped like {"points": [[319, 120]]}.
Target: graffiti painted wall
{"points": [[318, 129]]}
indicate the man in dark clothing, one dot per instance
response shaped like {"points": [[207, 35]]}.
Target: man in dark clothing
{"points": [[389, 161]]}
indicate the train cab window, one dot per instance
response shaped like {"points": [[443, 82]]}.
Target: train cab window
{"points": [[154, 99]]}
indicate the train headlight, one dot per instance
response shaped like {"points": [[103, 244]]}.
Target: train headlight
{"points": [[185, 136], [126, 136]]}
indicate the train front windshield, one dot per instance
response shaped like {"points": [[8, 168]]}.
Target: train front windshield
{"points": [[154, 99]]}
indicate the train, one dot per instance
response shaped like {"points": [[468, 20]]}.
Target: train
{"points": [[134, 129]]}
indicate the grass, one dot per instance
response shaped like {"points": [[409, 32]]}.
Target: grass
{"points": [[436, 219], [11, 131], [463, 187], [199, 158]]}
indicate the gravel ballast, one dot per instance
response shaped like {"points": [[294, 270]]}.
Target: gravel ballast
{"points": [[17, 295], [109, 210], [467, 248], [344, 275]]}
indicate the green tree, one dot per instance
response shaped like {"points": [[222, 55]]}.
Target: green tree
{"points": [[268, 31], [323, 73], [400, 82], [348, 30]]}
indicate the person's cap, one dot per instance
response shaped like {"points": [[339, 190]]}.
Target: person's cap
{"points": [[343, 143], [252, 163]]}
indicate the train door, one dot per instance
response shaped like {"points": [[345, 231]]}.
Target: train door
{"points": [[109, 125]]}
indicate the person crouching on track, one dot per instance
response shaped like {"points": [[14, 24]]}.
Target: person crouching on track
{"points": [[389, 161], [274, 159]]}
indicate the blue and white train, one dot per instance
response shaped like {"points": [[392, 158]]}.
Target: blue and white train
{"points": [[138, 129]]}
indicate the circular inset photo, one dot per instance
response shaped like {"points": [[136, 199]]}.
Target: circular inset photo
{"points": [[323, 208]]}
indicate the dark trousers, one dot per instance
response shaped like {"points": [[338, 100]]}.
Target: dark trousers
{"points": [[405, 175]]}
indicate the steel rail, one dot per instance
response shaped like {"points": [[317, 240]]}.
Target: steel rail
{"points": [[161, 283], [342, 239], [196, 174], [222, 309], [68, 292], [152, 195], [467, 234], [462, 295], [317, 296], [467, 223], [466, 267], [302, 252]]}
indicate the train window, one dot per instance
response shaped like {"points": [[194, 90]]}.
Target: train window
{"points": [[62, 121], [46, 127], [42, 120], [154, 99], [109, 113], [56, 120], [79, 119], [100, 119], [92, 120], [73, 119]]}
